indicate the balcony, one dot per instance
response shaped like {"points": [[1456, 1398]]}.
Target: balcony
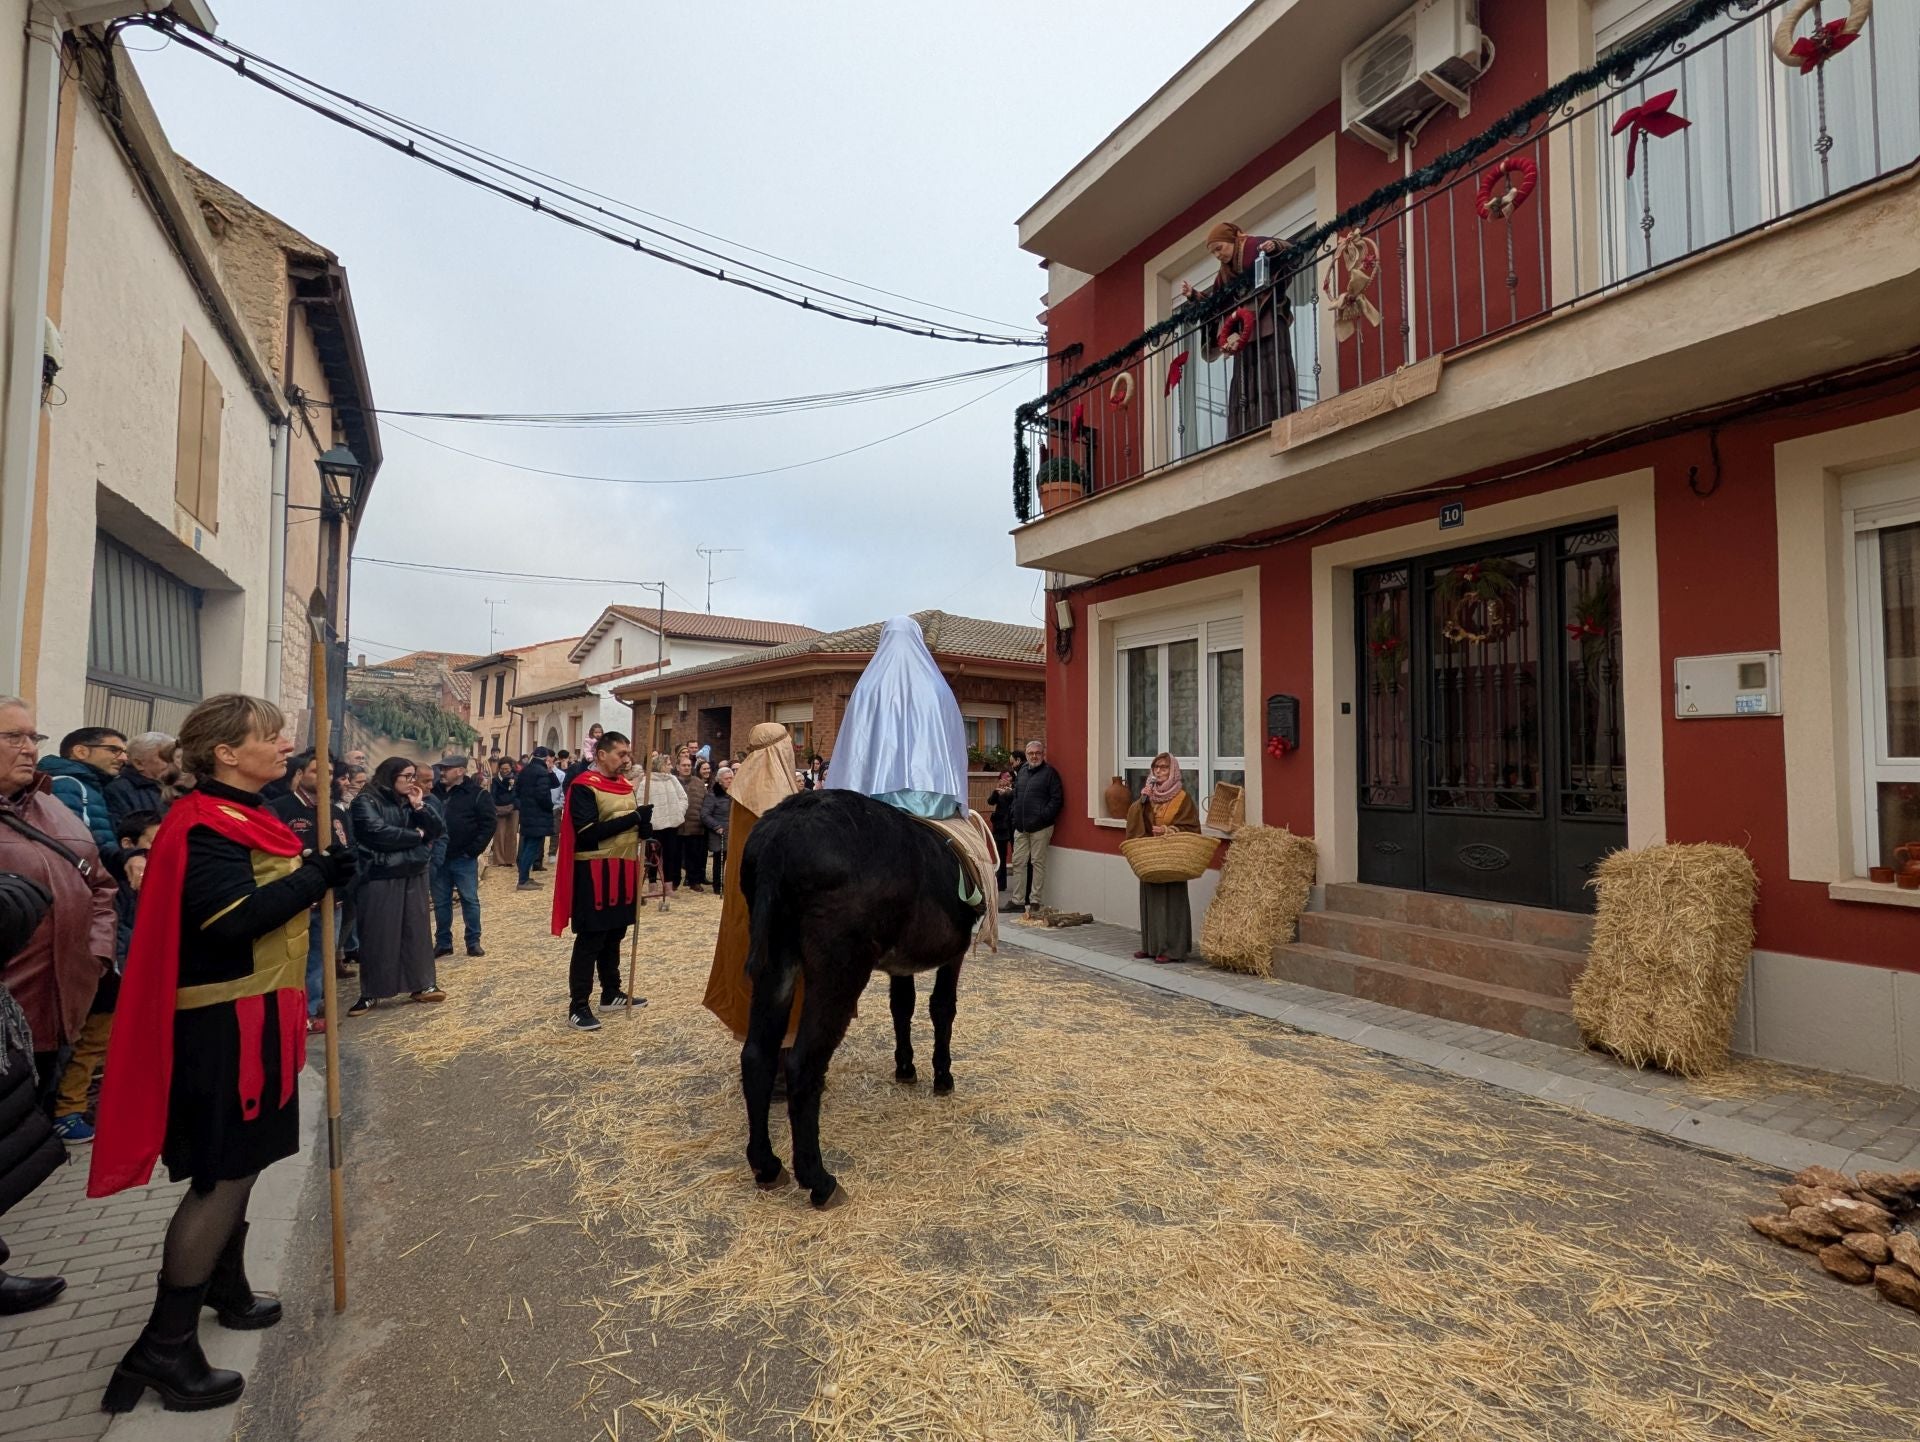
{"points": [[1443, 331]]}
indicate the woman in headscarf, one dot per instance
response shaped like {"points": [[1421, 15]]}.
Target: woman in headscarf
{"points": [[1264, 386], [1166, 921], [766, 778]]}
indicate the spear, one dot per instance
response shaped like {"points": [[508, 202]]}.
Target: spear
{"points": [[329, 1005]]}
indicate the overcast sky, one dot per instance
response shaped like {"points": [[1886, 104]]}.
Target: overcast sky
{"points": [[893, 144]]}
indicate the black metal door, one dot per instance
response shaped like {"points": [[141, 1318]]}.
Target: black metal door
{"points": [[1492, 759]]}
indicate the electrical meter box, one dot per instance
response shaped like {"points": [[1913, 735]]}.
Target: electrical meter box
{"points": [[1742, 683]]}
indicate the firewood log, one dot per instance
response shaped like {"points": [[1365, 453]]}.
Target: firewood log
{"points": [[1868, 1247], [1898, 1285], [1823, 1177], [1816, 1223], [1781, 1230], [1858, 1216], [1844, 1265], [1906, 1250]]}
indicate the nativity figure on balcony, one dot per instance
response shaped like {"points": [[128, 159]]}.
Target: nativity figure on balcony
{"points": [[1257, 335]]}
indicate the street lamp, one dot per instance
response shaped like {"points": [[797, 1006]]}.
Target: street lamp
{"points": [[340, 472]]}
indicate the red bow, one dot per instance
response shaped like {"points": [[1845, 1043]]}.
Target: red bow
{"points": [[1175, 371], [1079, 422], [1813, 51], [1654, 117], [1384, 648], [1581, 629]]}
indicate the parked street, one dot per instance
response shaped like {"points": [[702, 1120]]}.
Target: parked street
{"points": [[1137, 1216]]}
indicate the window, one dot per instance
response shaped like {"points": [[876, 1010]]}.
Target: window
{"points": [[1184, 691], [143, 643], [482, 709], [1749, 155], [1197, 412], [499, 691], [797, 717], [619, 646], [196, 462], [1887, 573], [987, 727]]}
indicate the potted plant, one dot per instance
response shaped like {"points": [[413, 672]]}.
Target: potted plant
{"points": [[1060, 481]]}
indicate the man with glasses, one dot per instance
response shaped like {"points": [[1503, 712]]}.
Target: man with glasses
{"points": [[89, 758]]}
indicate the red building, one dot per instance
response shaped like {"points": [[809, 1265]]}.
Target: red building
{"points": [[1585, 520]]}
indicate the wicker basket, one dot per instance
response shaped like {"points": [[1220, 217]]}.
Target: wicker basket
{"points": [[1177, 856]]}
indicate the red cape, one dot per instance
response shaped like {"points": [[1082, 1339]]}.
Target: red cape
{"points": [[139, 1068], [563, 874]]}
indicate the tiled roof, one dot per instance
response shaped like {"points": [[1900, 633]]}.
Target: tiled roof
{"points": [[461, 683], [581, 687], [697, 626], [514, 653], [946, 635]]}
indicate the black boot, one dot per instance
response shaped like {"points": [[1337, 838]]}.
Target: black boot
{"points": [[167, 1358], [24, 1294], [230, 1295]]}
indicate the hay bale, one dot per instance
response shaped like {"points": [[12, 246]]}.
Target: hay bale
{"points": [[1264, 884], [1671, 937]]}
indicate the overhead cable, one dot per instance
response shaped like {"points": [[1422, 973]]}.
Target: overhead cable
{"points": [[557, 200]]}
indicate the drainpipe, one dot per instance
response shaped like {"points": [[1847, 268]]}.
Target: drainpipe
{"points": [[26, 328], [277, 558]]}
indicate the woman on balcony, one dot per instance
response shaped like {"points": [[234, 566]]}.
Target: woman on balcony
{"points": [[1166, 920], [1263, 386]]}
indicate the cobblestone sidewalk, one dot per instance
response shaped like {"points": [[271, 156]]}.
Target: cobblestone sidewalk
{"points": [[1777, 1115], [54, 1363]]}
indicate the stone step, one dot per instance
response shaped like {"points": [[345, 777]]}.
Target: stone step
{"points": [[1431, 993], [1532, 925], [1516, 965]]}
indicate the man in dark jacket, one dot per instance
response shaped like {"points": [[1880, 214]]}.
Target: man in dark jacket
{"points": [[138, 786], [89, 759], [533, 792], [470, 821], [1039, 796]]}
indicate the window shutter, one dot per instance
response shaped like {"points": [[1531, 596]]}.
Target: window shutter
{"points": [[212, 402], [186, 461]]}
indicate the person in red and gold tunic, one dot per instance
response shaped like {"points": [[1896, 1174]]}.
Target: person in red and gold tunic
{"points": [[597, 885], [209, 1038]]}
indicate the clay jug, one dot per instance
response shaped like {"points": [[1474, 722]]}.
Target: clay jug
{"points": [[1118, 799]]}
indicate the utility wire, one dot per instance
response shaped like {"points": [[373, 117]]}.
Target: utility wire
{"points": [[499, 575], [701, 414], [702, 480], [325, 102]]}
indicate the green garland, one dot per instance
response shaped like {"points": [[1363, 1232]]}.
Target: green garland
{"points": [[1617, 68]]}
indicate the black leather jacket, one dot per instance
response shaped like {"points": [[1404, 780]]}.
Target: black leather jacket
{"points": [[392, 838]]}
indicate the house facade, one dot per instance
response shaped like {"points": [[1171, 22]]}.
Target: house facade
{"points": [[995, 670], [503, 676], [195, 357], [1564, 497], [626, 642]]}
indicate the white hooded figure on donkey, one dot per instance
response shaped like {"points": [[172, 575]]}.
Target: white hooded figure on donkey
{"points": [[886, 869]]}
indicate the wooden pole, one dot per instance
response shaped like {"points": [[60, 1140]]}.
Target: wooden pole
{"points": [[329, 1005], [639, 888]]}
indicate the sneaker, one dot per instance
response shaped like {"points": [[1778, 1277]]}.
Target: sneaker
{"points": [[316, 1026], [527, 886], [345, 970], [361, 1007], [581, 1018], [72, 1128], [620, 998], [440, 951], [1012, 906], [431, 994], [476, 950]]}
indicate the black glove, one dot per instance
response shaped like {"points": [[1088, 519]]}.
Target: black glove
{"points": [[23, 905], [643, 820], [339, 864]]}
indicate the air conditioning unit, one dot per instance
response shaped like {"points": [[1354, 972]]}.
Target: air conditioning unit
{"points": [[1431, 53]]}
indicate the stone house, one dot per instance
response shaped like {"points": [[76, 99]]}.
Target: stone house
{"points": [[503, 677]]}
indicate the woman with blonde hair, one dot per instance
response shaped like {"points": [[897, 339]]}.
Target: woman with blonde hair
{"points": [[663, 791], [1166, 920], [1264, 385]]}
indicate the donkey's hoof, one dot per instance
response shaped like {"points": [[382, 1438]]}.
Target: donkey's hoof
{"points": [[774, 1182], [942, 1084], [837, 1197], [904, 1072]]}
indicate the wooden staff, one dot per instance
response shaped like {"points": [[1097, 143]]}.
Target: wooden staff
{"points": [[639, 885], [329, 1005]]}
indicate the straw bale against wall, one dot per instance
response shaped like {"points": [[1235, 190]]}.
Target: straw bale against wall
{"points": [[1264, 884]]}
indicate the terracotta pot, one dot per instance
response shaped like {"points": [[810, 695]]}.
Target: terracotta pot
{"points": [[1905, 855], [1908, 878], [1881, 874], [1055, 494], [1118, 799]]}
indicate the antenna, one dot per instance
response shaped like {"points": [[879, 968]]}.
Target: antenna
{"points": [[492, 629], [710, 552]]}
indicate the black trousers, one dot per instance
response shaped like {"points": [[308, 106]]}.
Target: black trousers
{"points": [[594, 951], [693, 860]]}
